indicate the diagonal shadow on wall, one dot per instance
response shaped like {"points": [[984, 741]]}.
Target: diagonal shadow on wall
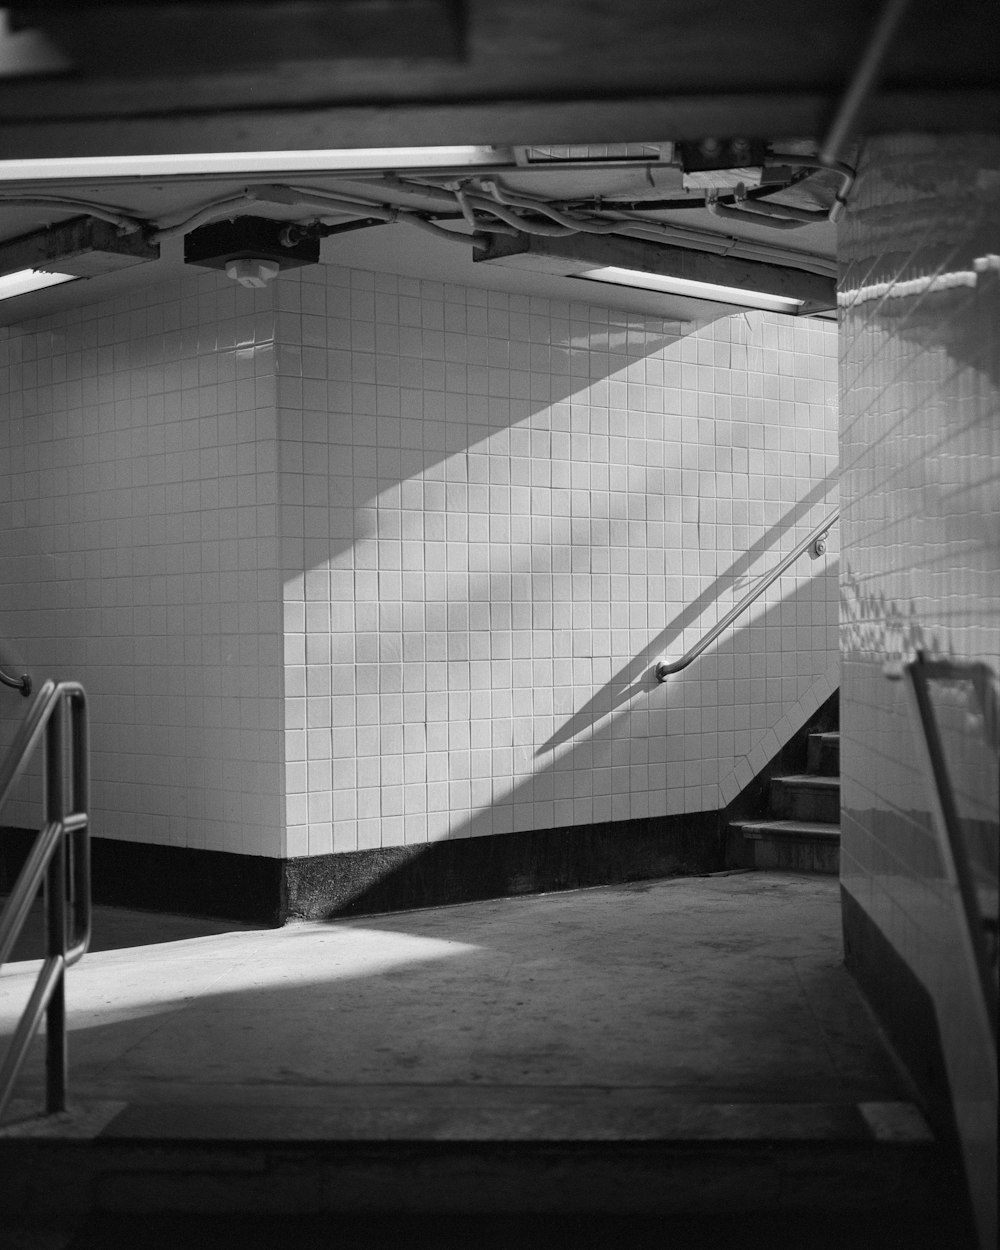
{"points": [[514, 858], [628, 680]]}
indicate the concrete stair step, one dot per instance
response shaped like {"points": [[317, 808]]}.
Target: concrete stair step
{"points": [[625, 1152], [806, 797], [787, 845], [890, 1226], [823, 753]]}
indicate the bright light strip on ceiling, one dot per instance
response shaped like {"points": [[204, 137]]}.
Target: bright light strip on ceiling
{"points": [[699, 290], [26, 280], [251, 163]]}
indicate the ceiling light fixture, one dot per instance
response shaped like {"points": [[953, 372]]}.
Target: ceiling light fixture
{"points": [[26, 280], [697, 290], [249, 163]]}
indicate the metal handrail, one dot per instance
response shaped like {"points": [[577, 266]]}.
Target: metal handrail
{"points": [[814, 543], [60, 856], [944, 809], [977, 942]]}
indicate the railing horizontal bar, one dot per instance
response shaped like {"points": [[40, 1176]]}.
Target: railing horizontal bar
{"points": [[664, 670], [26, 887], [60, 855], [48, 979], [31, 730]]}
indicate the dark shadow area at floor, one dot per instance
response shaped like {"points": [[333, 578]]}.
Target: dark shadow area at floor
{"points": [[892, 1229], [119, 928], [475, 862]]}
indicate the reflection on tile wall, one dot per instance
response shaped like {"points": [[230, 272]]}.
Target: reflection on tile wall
{"points": [[496, 513], [138, 553], [920, 453]]}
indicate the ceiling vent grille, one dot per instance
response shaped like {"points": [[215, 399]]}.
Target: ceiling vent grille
{"points": [[595, 154]]}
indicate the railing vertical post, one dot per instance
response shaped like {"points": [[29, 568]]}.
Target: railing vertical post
{"points": [[80, 800], [56, 1068]]}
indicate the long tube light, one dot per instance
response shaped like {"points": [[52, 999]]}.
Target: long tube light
{"points": [[238, 163], [698, 290], [26, 280]]}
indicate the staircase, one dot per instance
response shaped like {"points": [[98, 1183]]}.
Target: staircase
{"points": [[800, 831]]}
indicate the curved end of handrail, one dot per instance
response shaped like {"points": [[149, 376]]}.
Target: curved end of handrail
{"points": [[22, 683]]}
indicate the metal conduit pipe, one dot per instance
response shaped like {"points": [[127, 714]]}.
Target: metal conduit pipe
{"points": [[346, 205], [789, 211], [599, 225], [588, 225], [467, 211], [442, 232], [508, 215], [633, 226], [481, 223], [659, 232], [739, 214], [126, 224], [844, 172], [858, 90], [221, 208]]}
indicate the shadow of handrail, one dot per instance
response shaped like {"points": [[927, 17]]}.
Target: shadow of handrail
{"points": [[630, 679], [814, 543]]}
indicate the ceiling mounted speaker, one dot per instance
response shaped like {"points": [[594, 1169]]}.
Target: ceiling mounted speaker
{"points": [[252, 250]]}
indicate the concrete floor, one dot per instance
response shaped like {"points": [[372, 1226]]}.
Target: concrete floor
{"points": [[679, 1064], [596, 1012]]}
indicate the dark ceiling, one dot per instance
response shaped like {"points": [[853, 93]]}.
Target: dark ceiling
{"points": [[95, 79], [225, 75]]}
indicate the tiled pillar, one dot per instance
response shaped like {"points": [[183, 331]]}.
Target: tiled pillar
{"points": [[495, 513], [920, 463]]}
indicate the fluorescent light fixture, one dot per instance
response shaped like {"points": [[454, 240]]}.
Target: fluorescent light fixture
{"points": [[699, 290], [26, 280], [249, 163]]}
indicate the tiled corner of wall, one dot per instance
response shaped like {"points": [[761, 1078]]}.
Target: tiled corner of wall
{"points": [[139, 554], [920, 456], [365, 560], [920, 453], [495, 513]]}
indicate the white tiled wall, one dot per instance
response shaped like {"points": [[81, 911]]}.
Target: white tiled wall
{"points": [[496, 513], [920, 462], [362, 560], [138, 554]]}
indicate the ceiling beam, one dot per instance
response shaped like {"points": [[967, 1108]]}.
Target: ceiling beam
{"points": [[573, 255], [83, 247], [494, 122]]}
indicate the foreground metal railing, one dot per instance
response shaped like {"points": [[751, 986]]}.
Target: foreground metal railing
{"points": [[814, 543], [61, 857], [967, 844], [975, 883]]}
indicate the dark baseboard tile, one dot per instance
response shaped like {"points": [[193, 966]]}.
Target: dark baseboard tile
{"points": [[272, 891]]}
